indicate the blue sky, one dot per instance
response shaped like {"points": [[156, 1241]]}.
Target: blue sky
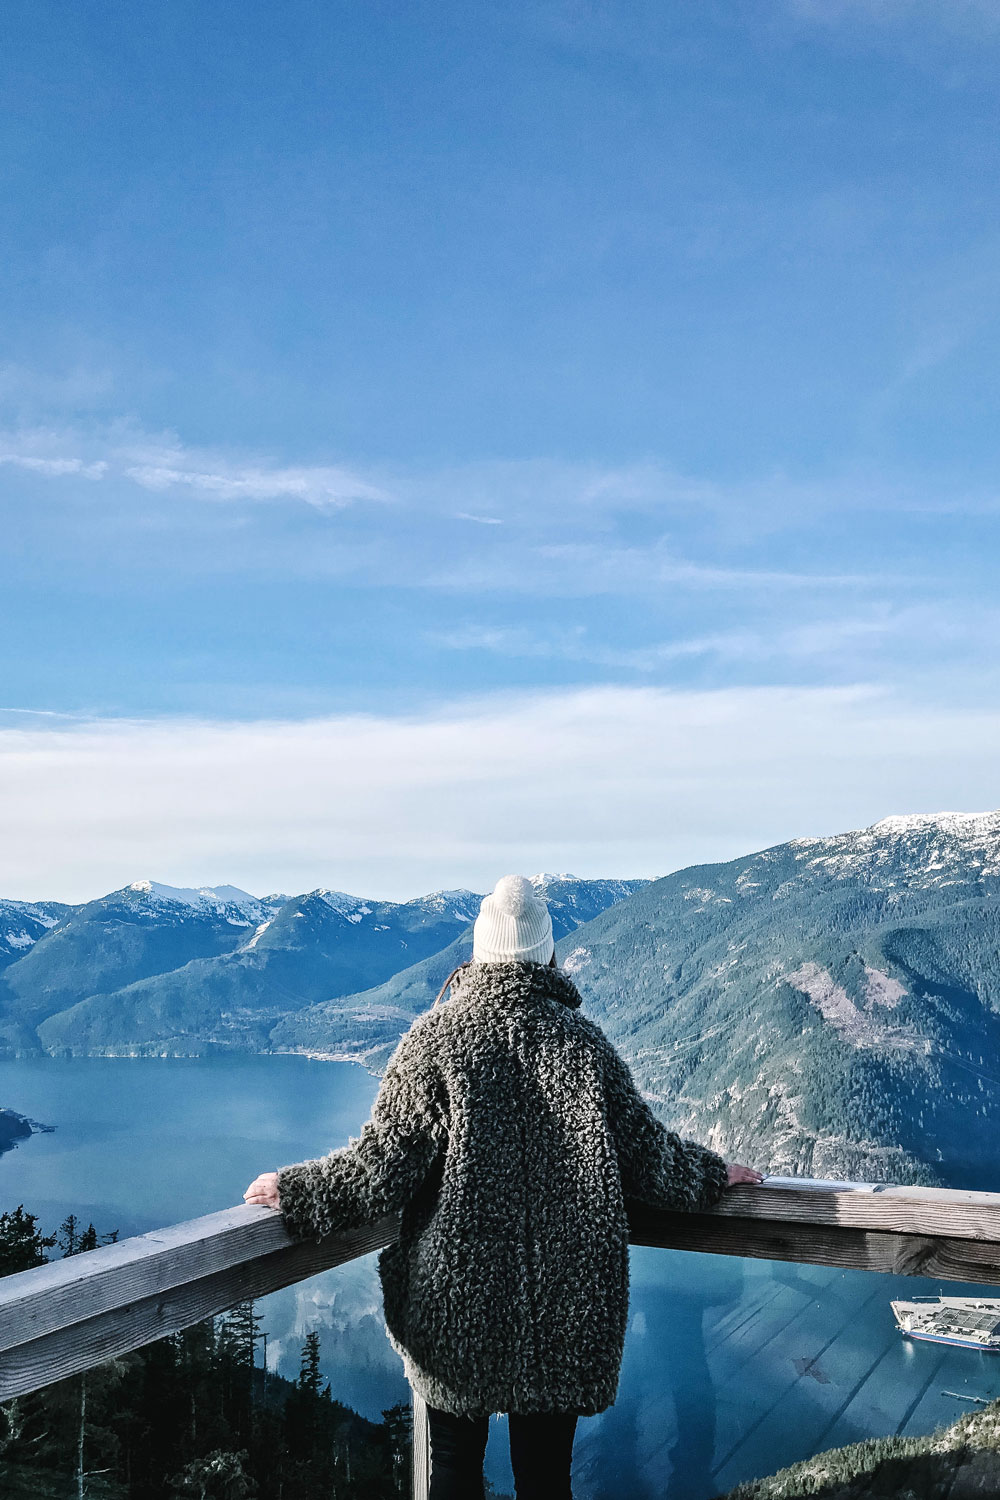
{"points": [[615, 381]]}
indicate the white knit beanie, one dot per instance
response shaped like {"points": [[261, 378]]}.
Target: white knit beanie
{"points": [[513, 925]]}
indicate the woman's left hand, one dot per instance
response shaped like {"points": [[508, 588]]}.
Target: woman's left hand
{"points": [[264, 1190]]}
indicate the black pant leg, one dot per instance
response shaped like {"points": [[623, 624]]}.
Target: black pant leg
{"points": [[541, 1454], [458, 1447]]}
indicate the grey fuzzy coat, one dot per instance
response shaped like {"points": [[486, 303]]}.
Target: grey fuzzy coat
{"points": [[510, 1135]]}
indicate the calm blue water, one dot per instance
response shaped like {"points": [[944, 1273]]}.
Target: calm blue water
{"points": [[732, 1368]]}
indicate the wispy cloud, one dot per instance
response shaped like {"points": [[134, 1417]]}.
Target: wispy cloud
{"points": [[216, 477], [805, 642], [574, 569], [603, 781], [55, 468], [168, 465]]}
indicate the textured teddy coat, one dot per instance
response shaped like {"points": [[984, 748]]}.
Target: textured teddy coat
{"points": [[510, 1135]]}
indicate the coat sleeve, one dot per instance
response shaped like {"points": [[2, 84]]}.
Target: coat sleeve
{"points": [[658, 1167], [380, 1172]]}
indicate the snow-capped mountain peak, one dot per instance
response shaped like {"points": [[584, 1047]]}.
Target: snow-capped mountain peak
{"points": [[225, 894], [229, 901], [955, 824], [924, 848], [459, 903], [344, 904]]}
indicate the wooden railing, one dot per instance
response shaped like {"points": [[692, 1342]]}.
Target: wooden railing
{"points": [[72, 1314]]}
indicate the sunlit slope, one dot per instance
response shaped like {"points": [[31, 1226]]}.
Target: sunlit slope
{"points": [[825, 1007]]}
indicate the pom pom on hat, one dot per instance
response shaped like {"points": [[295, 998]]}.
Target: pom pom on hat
{"points": [[512, 894], [513, 925]]}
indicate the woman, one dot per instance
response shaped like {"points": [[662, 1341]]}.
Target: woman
{"points": [[510, 1135]]}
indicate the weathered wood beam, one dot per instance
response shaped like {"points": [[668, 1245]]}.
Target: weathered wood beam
{"points": [[934, 1232], [73, 1314], [900, 1210], [76, 1313]]}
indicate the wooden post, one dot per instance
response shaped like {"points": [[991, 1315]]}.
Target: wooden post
{"points": [[421, 1448]]}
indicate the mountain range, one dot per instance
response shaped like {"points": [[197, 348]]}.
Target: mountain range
{"points": [[156, 970], [825, 1007]]}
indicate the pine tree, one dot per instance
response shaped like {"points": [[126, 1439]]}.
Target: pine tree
{"points": [[242, 1328], [69, 1235], [309, 1376], [22, 1244], [397, 1424]]}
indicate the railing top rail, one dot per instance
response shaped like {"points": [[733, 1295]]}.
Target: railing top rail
{"points": [[71, 1314]]}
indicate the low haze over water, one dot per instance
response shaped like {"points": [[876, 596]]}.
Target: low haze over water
{"points": [[732, 1368]]}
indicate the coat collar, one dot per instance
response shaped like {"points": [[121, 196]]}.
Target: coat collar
{"points": [[516, 982]]}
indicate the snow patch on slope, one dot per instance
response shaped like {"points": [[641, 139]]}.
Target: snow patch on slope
{"points": [[261, 929], [20, 939]]}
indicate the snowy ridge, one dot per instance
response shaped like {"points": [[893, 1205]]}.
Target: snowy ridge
{"points": [[345, 905], [229, 901], [31, 909], [462, 904], [957, 824], [926, 849]]}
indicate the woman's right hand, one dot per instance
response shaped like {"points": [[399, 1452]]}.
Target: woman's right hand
{"points": [[742, 1174]]}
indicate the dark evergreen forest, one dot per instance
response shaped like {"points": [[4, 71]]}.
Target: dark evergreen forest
{"points": [[192, 1417]]}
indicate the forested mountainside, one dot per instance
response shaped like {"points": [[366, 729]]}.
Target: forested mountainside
{"points": [[959, 1462], [152, 970], [827, 1007], [824, 1007]]}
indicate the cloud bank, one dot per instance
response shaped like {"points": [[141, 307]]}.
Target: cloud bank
{"points": [[608, 781]]}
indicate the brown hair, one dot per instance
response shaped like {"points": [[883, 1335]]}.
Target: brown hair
{"points": [[450, 981], [553, 964]]}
